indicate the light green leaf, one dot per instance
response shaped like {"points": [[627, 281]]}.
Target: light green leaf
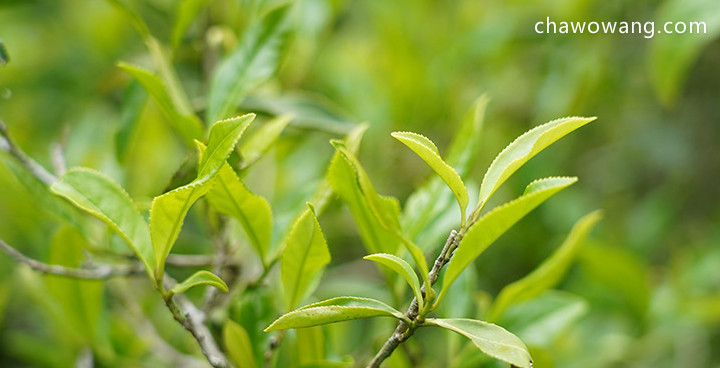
{"points": [[491, 339], [238, 345], [261, 140], [310, 346], [199, 278], [427, 150], [549, 272], [431, 201], [132, 16], [103, 198], [386, 210], [224, 135], [184, 16], [306, 254], [168, 211], [187, 125], [523, 149], [495, 223], [230, 196], [134, 101], [340, 309], [254, 60], [399, 265]]}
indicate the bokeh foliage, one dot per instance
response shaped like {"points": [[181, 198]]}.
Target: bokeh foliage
{"points": [[644, 292]]}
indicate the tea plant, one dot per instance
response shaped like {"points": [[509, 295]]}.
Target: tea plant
{"points": [[289, 249]]}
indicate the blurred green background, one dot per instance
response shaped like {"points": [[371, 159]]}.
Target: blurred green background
{"points": [[650, 277]]}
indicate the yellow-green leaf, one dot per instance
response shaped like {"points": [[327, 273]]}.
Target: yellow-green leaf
{"points": [[491, 339], [427, 150], [340, 309], [523, 149], [496, 222], [549, 272], [403, 269], [261, 140], [167, 212], [103, 198], [199, 278], [306, 254], [230, 196], [238, 345]]}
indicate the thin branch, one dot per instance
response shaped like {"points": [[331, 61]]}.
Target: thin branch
{"points": [[11, 147], [403, 330], [193, 319], [101, 272]]}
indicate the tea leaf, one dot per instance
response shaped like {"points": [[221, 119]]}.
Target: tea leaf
{"points": [[491, 339], [549, 272], [426, 149], [306, 254], [399, 265], [103, 198], [340, 309], [184, 16], [238, 345], [254, 60], [168, 211], [199, 278], [230, 196], [496, 222], [187, 125], [257, 144], [523, 149]]}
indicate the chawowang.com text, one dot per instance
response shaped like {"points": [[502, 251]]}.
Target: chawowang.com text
{"points": [[646, 29]]}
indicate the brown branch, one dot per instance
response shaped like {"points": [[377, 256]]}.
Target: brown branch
{"points": [[101, 272], [13, 149], [403, 330], [193, 319]]}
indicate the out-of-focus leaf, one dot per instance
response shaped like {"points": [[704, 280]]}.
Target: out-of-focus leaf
{"points": [[427, 150], [238, 345], [672, 55], [344, 308], [549, 272], [44, 197], [199, 278], [399, 265], [254, 60], [491, 339], [134, 101], [187, 125], [137, 22], [230, 196], [184, 16], [168, 211], [464, 148], [523, 149], [81, 301], [310, 346], [496, 222], [539, 321], [4, 57], [261, 140], [386, 210], [306, 254], [310, 112], [103, 198]]}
